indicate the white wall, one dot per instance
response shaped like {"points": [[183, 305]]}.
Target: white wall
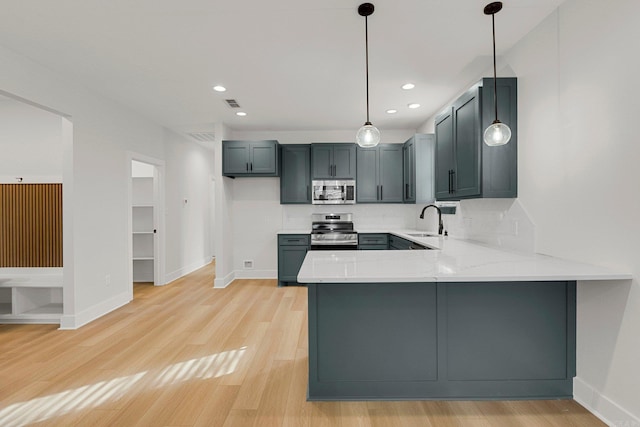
{"points": [[96, 172], [30, 143], [578, 176], [224, 239], [388, 136], [578, 153], [142, 170], [188, 172], [257, 215]]}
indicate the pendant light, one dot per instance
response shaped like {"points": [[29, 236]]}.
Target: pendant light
{"points": [[497, 133], [368, 135]]}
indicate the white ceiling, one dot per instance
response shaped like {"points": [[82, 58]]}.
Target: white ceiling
{"points": [[291, 64]]}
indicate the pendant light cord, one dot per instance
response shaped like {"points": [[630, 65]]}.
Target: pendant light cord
{"points": [[495, 78], [366, 44]]}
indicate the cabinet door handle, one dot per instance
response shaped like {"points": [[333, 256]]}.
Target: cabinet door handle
{"points": [[247, 166], [381, 188], [406, 191], [251, 166]]}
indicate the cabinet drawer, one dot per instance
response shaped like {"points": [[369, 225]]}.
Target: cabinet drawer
{"points": [[293, 239], [372, 239]]}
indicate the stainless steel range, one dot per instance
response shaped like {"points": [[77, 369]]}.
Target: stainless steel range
{"points": [[333, 231]]}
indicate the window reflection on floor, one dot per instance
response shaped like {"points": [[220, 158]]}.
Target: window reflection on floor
{"points": [[94, 395]]}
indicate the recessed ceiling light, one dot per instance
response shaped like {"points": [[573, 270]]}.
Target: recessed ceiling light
{"points": [[408, 86], [219, 88], [392, 111], [241, 113], [414, 105]]}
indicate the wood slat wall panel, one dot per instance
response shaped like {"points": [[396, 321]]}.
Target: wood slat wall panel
{"points": [[30, 225]]}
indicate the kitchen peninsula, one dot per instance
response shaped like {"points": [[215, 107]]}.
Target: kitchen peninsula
{"points": [[461, 321]]}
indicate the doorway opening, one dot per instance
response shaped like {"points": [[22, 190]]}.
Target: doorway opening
{"points": [[145, 207], [36, 256]]}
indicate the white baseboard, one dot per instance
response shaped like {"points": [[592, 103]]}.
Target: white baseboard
{"points": [[256, 274], [175, 275], [245, 274], [223, 282], [602, 407], [94, 312]]}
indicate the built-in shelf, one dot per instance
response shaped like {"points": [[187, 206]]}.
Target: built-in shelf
{"points": [[30, 297], [5, 308], [30, 284], [143, 229], [45, 310]]}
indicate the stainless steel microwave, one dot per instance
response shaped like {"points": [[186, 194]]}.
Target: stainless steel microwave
{"points": [[333, 192]]}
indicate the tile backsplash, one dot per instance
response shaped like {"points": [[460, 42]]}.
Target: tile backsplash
{"points": [[496, 222], [365, 216]]}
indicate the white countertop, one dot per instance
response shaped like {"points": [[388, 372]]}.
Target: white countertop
{"points": [[453, 261]]}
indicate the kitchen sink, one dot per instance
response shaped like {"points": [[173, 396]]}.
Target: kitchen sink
{"points": [[422, 234]]}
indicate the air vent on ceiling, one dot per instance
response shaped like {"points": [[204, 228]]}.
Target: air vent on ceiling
{"points": [[203, 136], [232, 103]]}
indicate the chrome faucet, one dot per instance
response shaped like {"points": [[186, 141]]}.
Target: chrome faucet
{"points": [[440, 225]]}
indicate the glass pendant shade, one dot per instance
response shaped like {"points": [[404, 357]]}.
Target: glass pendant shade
{"points": [[497, 134], [368, 136]]}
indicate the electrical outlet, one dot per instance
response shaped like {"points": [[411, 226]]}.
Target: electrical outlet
{"points": [[248, 264], [107, 280]]}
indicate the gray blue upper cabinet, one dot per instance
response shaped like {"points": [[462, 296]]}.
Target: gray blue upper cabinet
{"points": [[250, 158], [379, 177], [295, 177], [418, 158], [333, 161], [465, 167]]}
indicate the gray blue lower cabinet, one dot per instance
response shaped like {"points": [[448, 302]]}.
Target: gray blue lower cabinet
{"points": [[483, 340], [292, 248], [373, 241]]}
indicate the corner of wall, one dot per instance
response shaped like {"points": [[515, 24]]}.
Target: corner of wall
{"points": [[223, 282], [601, 406], [70, 322]]}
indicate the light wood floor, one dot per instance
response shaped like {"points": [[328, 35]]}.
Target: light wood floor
{"points": [[189, 355]]}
